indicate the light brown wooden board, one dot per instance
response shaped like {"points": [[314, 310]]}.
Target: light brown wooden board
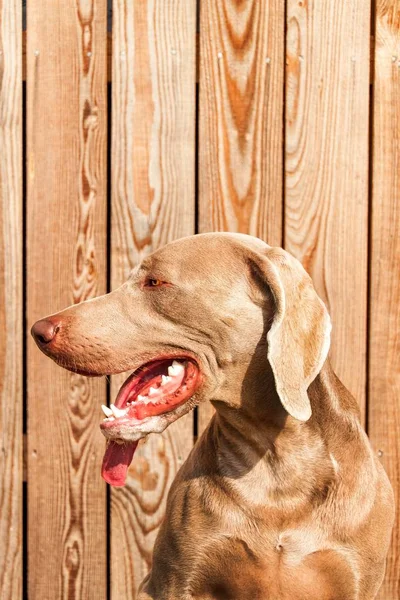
{"points": [[66, 263], [153, 202], [241, 121], [326, 167], [11, 335], [109, 46], [384, 341]]}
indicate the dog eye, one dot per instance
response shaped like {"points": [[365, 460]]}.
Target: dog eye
{"points": [[153, 283]]}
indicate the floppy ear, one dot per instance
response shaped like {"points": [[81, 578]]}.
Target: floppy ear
{"points": [[299, 337]]}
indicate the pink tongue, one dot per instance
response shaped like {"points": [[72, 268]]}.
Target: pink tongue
{"points": [[116, 461]]}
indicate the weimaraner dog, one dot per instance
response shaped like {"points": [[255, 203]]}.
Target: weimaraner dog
{"points": [[282, 497]]}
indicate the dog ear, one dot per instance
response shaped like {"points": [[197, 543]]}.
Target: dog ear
{"points": [[299, 337]]}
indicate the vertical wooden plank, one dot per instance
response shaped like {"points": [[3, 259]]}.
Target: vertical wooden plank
{"points": [[384, 343], [241, 121], [153, 124], [10, 300], [66, 263], [326, 167]]}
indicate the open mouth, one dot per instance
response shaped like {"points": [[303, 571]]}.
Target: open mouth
{"points": [[154, 396]]}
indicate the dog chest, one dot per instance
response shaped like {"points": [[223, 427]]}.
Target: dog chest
{"points": [[226, 567]]}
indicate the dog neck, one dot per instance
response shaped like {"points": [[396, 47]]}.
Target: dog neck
{"points": [[270, 457]]}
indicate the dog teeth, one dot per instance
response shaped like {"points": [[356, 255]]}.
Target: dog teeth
{"points": [[109, 419], [117, 412], [175, 369], [178, 366], [165, 379], [153, 391], [143, 399], [107, 411]]}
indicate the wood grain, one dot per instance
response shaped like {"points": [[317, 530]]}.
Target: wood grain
{"points": [[153, 176], [11, 335], [109, 55], [241, 121], [384, 341], [326, 167], [66, 263]]}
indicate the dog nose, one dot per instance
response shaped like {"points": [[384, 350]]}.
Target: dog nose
{"points": [[44, 331]]}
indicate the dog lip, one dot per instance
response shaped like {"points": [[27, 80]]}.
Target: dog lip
{"points": [[132, 430], [83, 372], [184, 355]]}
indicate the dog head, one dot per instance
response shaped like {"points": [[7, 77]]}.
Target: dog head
{"points": [[201, 318]]}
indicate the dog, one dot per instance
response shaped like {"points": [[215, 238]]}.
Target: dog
{"points": [[282, 497]]}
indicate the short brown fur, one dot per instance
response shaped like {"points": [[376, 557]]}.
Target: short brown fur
{"points": [[282, 497]]}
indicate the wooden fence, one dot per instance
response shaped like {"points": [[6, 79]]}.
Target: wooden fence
{"points": [[242, 115]]}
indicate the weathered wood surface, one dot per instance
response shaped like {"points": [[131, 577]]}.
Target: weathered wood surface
{"points": [[11, 335], [66, 263], [153, 202], [326, 167], [241, 121], [384, 340]]}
